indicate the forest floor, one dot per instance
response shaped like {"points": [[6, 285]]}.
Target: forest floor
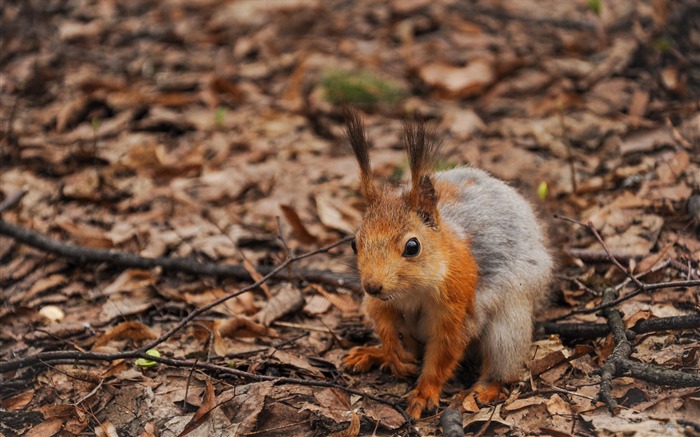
{"points": [[213, 130]]}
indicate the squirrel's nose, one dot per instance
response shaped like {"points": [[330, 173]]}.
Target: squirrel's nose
{"points": [[372, 288]]}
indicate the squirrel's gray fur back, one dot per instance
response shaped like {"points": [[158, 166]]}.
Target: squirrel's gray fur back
{"points": [[503, 233]]}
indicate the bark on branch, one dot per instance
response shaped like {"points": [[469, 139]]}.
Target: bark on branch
{"points": [[572, 331], [619, 363], [186, 265]]}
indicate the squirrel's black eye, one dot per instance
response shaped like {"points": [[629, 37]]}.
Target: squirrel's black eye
{"points": [[412, 248], [353, 244]]}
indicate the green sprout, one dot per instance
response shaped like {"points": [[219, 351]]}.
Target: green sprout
{"points": [[143, 362], [219, 115], [543, 191], [595, 6], [359, 88]]}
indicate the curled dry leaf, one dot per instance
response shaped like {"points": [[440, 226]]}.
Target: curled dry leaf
{"points": [[240, 326], [126, 330], [469, 404], [383, 414], [202, 413], [298, 228], [84, 235], [459, 81], [334, 215], [344, 302], [287, 300], [106, 429], [256, 277], [351, 431], [52, 312]]}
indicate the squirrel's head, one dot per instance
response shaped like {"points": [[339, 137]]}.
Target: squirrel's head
{"points": [[398, 243]]}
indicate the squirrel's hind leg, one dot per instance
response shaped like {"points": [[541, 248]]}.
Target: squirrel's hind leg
{"points": [[505, 345]]}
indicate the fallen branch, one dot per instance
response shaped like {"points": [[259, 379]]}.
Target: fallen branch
{"points": [[619, 363], [572, 331], [116, 258], [451, 423]]}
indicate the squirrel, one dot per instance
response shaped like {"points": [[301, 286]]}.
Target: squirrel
{"points": [[457, 257]]}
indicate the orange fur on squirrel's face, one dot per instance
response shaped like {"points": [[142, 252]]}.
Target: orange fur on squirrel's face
{"points": [[454, 257], [381, 245]]}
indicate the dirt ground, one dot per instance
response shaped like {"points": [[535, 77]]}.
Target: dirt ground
{"points": [[213, 130]]}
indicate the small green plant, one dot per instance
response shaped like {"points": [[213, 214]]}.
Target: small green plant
{"points": [[595, 6], [143, 362], [663, 45], [219, 115], [359, 88], [543, 191]]}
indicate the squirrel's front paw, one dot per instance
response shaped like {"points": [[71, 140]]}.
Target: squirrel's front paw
{"points": [[363, 358], [420, 400], [400, 365]]}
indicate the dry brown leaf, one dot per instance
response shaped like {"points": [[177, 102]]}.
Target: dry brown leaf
{"points": [[43, 285], [18, 402], [384, 414], [243, 304], [131, 280], [106, 429], [126, 304], [645, 141], [519, 404], [84, 235], [344, 302], [246, 402], [317, 305], [295, 360], [149, 430], [298, 228], [351, 431], [556, 405], [71, 114], [636, 317], [549, 361], [239, 327], [84, 185], [454, 81], [47, 428], [287, 300], [487, 415], [202, 413], [256, 277], [330, 214], [469, 404], [126, 330]]}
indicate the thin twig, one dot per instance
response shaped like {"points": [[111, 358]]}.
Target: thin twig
{"points": [[614, 260]]}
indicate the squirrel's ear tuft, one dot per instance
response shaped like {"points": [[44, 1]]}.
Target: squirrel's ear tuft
{"points": [[356, 135], [423, 149]]}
